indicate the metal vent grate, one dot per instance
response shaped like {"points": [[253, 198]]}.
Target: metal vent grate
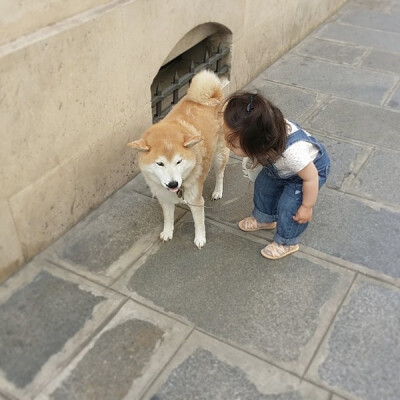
{"points": [[212, 63]]}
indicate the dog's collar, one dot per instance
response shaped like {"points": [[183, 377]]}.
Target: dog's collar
{"points": [[180, 192]]}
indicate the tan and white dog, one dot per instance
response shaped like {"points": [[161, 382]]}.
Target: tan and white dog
{"points": [[176, 154]]}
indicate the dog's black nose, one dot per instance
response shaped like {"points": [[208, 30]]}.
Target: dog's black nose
{"points": [[173, 184]]}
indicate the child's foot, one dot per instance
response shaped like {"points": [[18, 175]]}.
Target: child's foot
{"points": [[275, 251], [250, 224]]}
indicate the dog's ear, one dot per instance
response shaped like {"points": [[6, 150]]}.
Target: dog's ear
{"points": [[139, 145], [192, 140]]}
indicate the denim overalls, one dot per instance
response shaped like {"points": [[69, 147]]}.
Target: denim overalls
{"points": [[278, 199]]}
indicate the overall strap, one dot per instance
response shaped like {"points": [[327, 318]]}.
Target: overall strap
{"points": [[298, 136], [322, 158]]}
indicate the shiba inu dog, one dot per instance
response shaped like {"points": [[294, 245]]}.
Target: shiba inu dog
{"points": [[176, 154]]}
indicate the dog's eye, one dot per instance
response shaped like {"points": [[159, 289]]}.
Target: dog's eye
{"points": [[161, 164], [179, 161]]}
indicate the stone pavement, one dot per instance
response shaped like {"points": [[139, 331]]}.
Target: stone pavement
{"points": [[108, 312]]}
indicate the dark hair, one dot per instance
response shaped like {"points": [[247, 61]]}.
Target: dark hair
{"points": [[257, 125]]}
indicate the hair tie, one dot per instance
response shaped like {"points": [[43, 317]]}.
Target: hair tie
{"points": [[250, 106]]}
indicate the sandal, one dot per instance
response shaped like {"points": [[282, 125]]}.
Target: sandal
{"points": [[250, 224], [274, 250]]}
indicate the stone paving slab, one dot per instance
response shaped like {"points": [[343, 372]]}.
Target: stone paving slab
{"points": [[373, 19], [46, 314], [288, 303], [336, 52], [103, 244], [394, 101], [395, 9], [372, 38], [205, 369], [379, 178], [237, 200], [360, 356], [137, 185], [344, 158], [293, 102], [345, 228], [122, 359], [350, 228], [335, 397], [361, 122], [382, 5], [349, 82], [383, 60]]}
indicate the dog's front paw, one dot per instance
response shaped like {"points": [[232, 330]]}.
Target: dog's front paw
{"points": [[216, 194], [166, 235], [199, 242]]}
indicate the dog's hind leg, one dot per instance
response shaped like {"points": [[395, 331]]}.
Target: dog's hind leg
{"points": [[220, 159], [168, 211]]}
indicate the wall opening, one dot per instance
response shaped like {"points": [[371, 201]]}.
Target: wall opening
{"points": [[205, 47]]}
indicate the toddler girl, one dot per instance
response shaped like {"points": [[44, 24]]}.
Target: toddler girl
{"points": [[294, 167]]}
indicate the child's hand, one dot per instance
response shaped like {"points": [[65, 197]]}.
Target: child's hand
{"points": [[303, 215]]}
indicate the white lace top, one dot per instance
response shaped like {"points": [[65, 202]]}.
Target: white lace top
{"points": [[295, 157]]}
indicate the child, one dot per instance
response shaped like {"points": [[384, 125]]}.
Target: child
{"points": [[294, 167]]}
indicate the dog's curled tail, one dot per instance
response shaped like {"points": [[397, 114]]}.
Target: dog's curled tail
{"points": [[206, 89]]}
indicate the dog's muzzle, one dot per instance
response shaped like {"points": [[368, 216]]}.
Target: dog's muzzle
{"points": [[173, 186]]}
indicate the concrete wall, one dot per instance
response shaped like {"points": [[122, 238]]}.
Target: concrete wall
{"points": [[75, 83]]}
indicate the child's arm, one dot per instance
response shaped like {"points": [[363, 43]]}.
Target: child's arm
{"points": [[309, 174]]}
